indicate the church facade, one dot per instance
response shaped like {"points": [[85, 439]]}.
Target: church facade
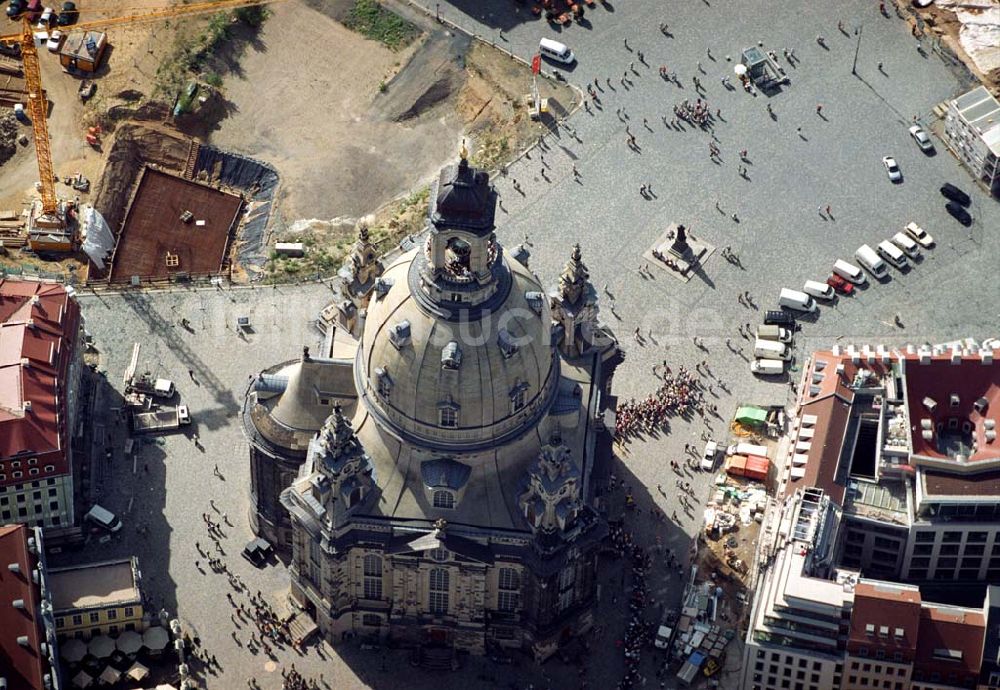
{"points": [[445, 501]]}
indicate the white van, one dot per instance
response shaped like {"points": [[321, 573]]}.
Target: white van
{"points": [[767, 367], [793, 299], [772, 332], [849, 271], [867, 257], [102, 517], [903, 241], [817, 289], [892, 254], [556, 51], [770, 349]]}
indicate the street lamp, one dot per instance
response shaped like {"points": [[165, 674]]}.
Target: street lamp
{"points": [[857, 49]]}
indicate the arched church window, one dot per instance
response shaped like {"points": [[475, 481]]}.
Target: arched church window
{"points": [[438, 591], [444, 499]]}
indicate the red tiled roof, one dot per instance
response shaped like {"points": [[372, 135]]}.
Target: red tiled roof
{"points": [[23, 666], [832, 415], [38, 326], [971, 380], [947, 628], [885, 604]]}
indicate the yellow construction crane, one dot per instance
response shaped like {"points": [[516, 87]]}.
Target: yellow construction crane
{"points": [[48, 218]]}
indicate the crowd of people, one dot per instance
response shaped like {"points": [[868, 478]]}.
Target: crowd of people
{"points": [[697, 114], [679, 394]]}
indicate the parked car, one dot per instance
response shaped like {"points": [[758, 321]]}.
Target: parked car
{"points": [[708, 456], [14, 9], [818, 290], [55, 40], [892, 169], [45, 21], [919, 234], [906, 243], [777, 317], [841, 285], [68, 15], [959, 213], [955, 194], [920, 136]]}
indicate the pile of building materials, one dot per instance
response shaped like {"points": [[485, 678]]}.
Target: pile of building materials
{"points": [[699, 644]]}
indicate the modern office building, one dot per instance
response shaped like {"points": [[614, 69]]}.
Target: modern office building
{"points": [[972, 132], [40, 366], [904, 443], [452, 510], [889, 485]]}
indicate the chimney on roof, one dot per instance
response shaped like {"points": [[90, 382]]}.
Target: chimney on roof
{"points": [[956, 355], [19, 604], [31, 545], [27, 406], [987, 355], [14, 567], [31, 323], [23, 641], [925, 356], [930, 404], [911, 349]]}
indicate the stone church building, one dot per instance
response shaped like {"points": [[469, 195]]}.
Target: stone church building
{"points": [[445, 498]]}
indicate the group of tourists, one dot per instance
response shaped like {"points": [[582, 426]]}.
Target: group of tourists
{"points": [[679, 394]]}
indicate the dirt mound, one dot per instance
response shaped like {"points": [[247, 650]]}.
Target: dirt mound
{"points": [[8, 137], [436, 93], [133, 146]]}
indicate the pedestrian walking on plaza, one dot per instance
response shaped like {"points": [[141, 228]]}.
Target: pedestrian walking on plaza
{"points": [[819, 108], [642, 58], [828, 211], [708, 52], [631, 67], [627, 46]]}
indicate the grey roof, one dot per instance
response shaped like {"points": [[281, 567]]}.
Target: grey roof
{"points": [[463, 198], [444, 473]]}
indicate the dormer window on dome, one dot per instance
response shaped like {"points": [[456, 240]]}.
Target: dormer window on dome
{"points": [[382, 286], [517, 396], [383, 382], [535, 300], [506, 342], [399, 334], [451, 356], [448, 414]]}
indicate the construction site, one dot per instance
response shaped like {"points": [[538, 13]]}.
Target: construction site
{"points": [[114, 176]]}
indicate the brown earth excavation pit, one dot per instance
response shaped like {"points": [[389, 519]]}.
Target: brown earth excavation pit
{"points": [[174, 226]]}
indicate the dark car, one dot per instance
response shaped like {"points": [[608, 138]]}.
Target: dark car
{"points": [[959, 213], [955, 194], [15, 8], [258, 551], [68, 15], [777, 317]]}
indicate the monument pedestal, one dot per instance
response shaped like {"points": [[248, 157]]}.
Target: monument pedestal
{"points": [[678, 252]]}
